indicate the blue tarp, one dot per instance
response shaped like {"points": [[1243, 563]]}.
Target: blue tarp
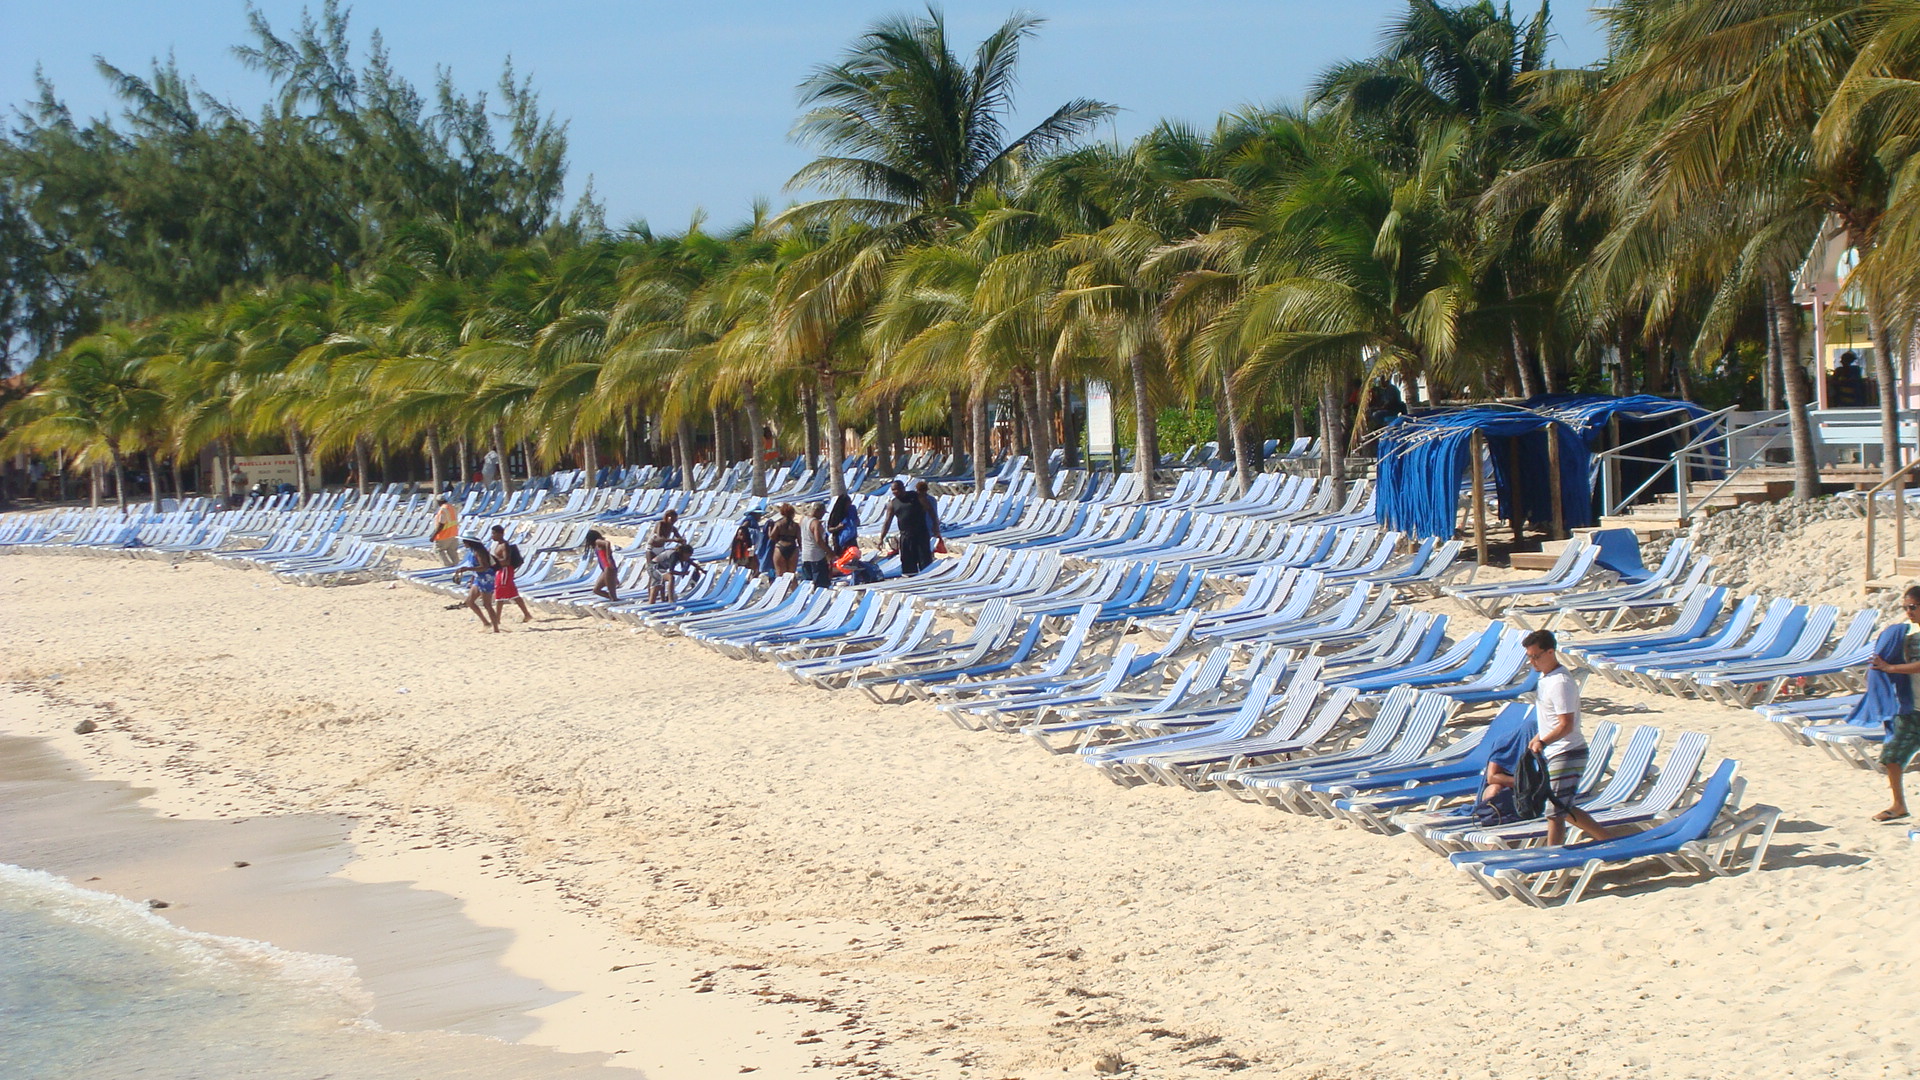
{"points": [[1424, 458], [1588, 413], [1645, 415]]}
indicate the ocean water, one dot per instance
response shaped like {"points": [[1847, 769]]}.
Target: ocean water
{"points": [[96, 986]]}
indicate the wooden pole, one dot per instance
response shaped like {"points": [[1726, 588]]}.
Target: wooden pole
{"points": [[1479, 497], [1869, 566], [1613, 467], [1516, 505], [1553, 485]]}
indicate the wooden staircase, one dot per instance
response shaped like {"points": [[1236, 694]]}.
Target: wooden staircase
{"points": [[1751, 486]]}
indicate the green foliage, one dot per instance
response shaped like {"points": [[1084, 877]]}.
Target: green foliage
{"points": [[182, 197], [1181, 428], [363, 266]]}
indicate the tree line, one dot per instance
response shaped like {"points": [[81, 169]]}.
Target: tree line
{"points": [[366, 272]]}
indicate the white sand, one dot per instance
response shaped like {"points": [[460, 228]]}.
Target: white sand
{"points": [[872, 890]]}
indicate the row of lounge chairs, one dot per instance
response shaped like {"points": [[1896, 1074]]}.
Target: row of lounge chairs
{"points": [[1087, 625]]}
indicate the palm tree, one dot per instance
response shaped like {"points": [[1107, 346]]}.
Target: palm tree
{"points": [[95, 402], [1343, 265], [1717, 104], [909, 135]]}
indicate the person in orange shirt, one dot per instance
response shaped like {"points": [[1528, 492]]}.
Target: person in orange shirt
{"points": [[446, 531]]}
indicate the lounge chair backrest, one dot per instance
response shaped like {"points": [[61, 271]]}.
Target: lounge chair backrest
{"points": [[1677, 775]]}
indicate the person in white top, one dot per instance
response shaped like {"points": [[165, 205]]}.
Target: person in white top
{"points": [[1557, 704]]}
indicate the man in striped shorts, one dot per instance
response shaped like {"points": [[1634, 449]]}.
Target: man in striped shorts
{"points": [[1557, 705]]}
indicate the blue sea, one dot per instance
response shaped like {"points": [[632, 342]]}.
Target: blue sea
{"points": [[98, 987]]}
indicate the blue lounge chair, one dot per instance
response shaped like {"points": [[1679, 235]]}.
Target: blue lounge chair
{"points": [[1699, 840]]}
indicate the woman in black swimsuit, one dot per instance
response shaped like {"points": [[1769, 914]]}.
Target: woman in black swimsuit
{"points": [[786, 542]]}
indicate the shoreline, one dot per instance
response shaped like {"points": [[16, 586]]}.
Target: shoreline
{"points": [[875, 892], [464, 956]]}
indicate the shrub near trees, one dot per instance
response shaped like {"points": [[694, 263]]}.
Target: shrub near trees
{"points": [[366, 272]]}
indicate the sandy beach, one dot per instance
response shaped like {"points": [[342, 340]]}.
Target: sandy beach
{"points": [[579, 837]]}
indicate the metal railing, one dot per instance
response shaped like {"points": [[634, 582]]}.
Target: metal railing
{"points": [[1707, 450], [1899, 482]]}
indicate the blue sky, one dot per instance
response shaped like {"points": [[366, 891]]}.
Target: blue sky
{"points": [[676, 107]]}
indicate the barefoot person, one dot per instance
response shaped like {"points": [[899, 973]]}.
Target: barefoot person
{"points": [[506, 561], [665, 569], [786, 541], [601, 552], [1890, 700], [479, 600], [446, 531]]}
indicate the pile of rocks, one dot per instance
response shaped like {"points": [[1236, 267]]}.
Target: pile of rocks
{"points": [[1811, 552]]}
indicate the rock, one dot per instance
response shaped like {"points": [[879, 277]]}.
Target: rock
{"points": [[158, 904], [85, 727], [241, 864], [1109, 1065]]}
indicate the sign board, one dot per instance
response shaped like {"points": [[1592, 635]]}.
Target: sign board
{"points": [[271, 469], [1099, 418]]}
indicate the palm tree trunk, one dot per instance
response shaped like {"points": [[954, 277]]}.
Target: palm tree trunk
{"points": [[433, 458], [751, 402], [722, 445], [1884, 374], [1022, 435], [956, 424], [982, 452], [153, 481], [1786, 321], [810, 405], [1770, 378], [179, 478], [500, 450], [1034, 404], [1333, 435], [299, 458], [836, 438], [1146, 433], [883, 439], [119, 478], [1521, 367], [1045, 434], [683, 436], [589, 462], [463, 461], [1242, 460], [360, 463], [226, 467], [1358, 429]]}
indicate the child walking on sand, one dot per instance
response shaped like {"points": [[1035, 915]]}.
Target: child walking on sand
{"points": [[599, 550], [479, 600], [506, 561]]}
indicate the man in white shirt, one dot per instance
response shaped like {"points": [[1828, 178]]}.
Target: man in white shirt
{"points": [[1557, 704]]}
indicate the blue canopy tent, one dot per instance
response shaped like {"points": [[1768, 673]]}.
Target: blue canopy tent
{"points": [[1654, 428], [1423, 460]]}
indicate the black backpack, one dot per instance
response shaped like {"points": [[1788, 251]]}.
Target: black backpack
{"points": [[1532, 787], [513, 555]]}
